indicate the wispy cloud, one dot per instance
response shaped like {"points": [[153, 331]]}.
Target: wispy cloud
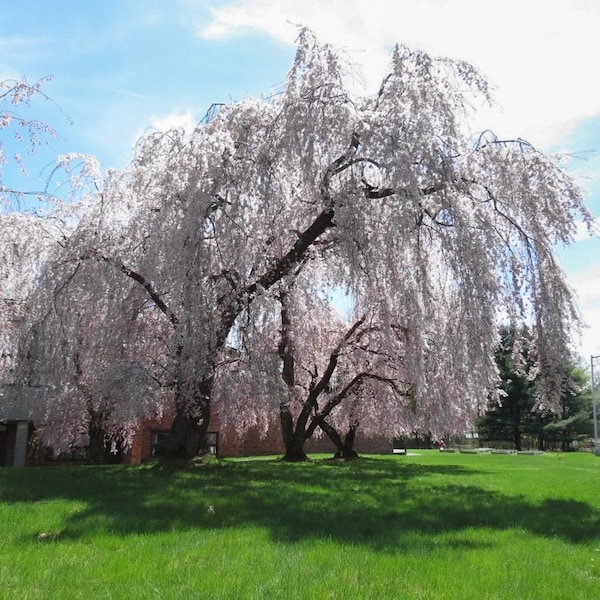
{"points": [[17, 53]]}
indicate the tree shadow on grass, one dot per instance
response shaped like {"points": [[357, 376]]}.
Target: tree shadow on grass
{"points": [[382, 504]]}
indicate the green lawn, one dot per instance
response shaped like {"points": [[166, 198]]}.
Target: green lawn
{"points": [[404, 527]]}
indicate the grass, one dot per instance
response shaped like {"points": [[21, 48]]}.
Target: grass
{"points": [[416, 527]]}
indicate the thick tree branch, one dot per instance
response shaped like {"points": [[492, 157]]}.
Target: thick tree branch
{"points": [[322, 384], [147, 285], [304, 241], [337, 399]]}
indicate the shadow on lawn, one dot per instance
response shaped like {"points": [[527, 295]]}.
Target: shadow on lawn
{"points": [[379, 503]]}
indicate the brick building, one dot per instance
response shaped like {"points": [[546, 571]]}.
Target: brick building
{"points": [[151, 439], [150, 442]]}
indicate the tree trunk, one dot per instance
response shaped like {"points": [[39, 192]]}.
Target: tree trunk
{"points": [[517, 437], [294, 437], [348, 452], [345, 447], [188, 434], [515, 425], [294, 434], [96, 448], [96, 431], [295, 453]]}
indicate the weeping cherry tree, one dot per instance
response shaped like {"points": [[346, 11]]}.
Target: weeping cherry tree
{"points": [[390, 189]]}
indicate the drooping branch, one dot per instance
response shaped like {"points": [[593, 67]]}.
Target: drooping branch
{"points": [[325, 220], [147, 285], [304, 241]]}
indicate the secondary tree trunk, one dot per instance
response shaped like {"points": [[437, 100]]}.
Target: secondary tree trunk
{"points": [[348, 452], [344, 446], [517, 436]]}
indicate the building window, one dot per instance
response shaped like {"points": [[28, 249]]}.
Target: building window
{"points": [[159, 443], [212, 437], [74, 453]]}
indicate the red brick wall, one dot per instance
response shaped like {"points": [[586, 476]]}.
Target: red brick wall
{"points": [[141, 447], [252, 443]]}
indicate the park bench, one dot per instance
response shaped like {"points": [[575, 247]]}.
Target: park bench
{"points": [[399, 447]]}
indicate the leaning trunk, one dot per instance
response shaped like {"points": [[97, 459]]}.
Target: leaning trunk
{"points": [[344, 447]]}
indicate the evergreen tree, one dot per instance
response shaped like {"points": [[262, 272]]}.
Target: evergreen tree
{"points": [[522, 413], [573, 421], [507, 419]]}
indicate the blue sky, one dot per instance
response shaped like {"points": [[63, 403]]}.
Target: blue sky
{"points": [[120, 67]]}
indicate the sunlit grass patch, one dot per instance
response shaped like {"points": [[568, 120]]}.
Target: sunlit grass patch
{"points": [[428, 526]]}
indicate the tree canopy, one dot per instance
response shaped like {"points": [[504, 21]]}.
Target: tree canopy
{"points": [[433, 232]]}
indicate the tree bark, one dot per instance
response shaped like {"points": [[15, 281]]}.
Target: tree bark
{"points": [[348, 452], [294, 435], [344, 447], [188, 434], [517, 435], [96, 451]]}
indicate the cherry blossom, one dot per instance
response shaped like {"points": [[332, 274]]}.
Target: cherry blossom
{"points": [[436, 235]]}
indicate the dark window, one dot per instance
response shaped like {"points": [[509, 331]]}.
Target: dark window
{"points": [[75, 453], [159, 444]]}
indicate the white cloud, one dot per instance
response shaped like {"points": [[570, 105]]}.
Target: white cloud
{"points": [[583, 233], [587, 286], [174, 120], [538, 54]]}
